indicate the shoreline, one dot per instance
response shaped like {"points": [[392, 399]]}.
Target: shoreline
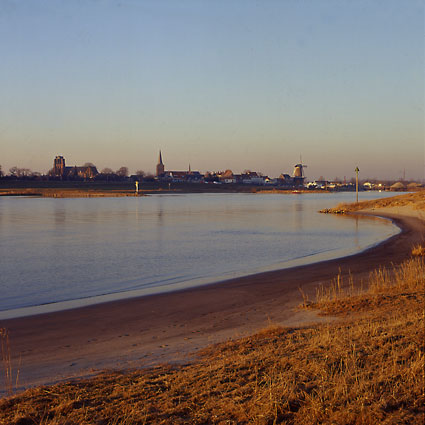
{"points": [[308, 260], [151, 330], [128, 190]]}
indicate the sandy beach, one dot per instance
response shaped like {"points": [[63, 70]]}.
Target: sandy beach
{"points": [[171, 327]]}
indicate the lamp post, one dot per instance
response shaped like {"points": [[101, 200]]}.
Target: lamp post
{"points": [[357, 184]]}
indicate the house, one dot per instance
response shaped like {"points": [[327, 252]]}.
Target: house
{"points": [[285, 180], [227, 177]]}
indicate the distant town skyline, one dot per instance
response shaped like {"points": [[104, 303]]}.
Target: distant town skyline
{"points": [[89, 171], [235, 84]]}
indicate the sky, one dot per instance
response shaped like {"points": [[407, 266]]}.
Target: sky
{"points": [[219, 84]]}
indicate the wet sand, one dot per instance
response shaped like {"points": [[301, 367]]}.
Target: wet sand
{"points": [[171, 327]]}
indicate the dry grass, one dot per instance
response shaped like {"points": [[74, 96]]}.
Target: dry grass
{"points": [[418, 251], [384, 289], [69, 193], [361, 370], [6, 361], [415, 200]]}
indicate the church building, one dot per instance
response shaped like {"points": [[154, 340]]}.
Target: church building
{"points": [[59, 170], [176, 176]]}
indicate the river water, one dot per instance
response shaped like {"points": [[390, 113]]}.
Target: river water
{"points": [[60, 253]]}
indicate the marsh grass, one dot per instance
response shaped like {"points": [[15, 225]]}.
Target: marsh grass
{"points": [[368, 368]]}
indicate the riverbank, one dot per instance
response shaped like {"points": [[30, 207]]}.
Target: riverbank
{"points": [[129, 190], [69, 193], [171, 327], [408, 204], [64, 189], [365, 368]]}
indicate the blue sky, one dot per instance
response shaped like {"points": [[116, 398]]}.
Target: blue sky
{"points": [[220, 84]]}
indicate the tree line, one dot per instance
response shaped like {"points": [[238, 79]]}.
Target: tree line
{"points": [[106, 173]]}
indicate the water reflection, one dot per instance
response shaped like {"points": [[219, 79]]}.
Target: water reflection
{"points": [[137, 209], [59, 214], [363, 223], [356, 232], [1, 211], [159, 225], [160, 213], [297, 209]]}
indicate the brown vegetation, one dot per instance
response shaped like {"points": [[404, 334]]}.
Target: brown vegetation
{"points": [[68, 193], [418, 251], [6, 360], [415, 200], [366, 368]]}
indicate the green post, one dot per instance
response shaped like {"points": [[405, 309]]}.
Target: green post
{"points": [[357, 184]]}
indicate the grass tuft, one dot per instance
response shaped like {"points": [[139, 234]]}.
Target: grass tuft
{"points": [[418, 251]]}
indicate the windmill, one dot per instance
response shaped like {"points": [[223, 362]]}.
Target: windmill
{"points": [[299, 175]]}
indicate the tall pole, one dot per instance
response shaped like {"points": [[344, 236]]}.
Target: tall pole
{"points": [[357, 184]]}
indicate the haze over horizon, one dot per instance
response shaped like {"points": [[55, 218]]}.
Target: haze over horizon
{"points": [[233, 84]]}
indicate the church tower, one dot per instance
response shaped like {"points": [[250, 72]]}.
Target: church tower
{"points": [[59, 166], [160, 166]]}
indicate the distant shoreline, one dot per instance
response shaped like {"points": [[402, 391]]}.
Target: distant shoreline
{"points": [[69, 189], [68, 193], [90, 193]]}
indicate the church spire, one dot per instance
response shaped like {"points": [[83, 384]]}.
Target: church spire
{"points": [[160, 166]]}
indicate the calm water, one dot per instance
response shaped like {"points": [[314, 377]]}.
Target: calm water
{"points": [[72, 252]]}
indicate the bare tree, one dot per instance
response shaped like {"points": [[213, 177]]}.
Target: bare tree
{"points": [[24, 172], [20, 172], [140, 173], [122, 172], [107, 171], [13, 171]]}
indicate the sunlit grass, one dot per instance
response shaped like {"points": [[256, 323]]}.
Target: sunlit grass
{"points": [[364, 369], [418, 251], [414, 200]]}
